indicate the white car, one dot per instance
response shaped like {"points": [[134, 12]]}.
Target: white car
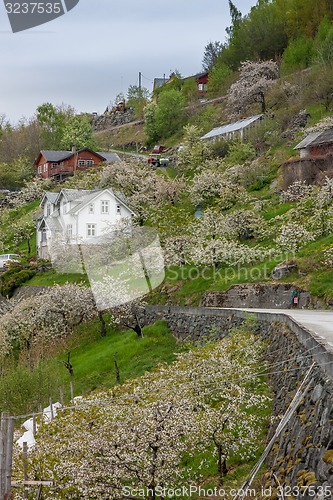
{"points": [[7, 258]]}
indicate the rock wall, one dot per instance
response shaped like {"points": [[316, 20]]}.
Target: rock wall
{"points": [[263, 296], [310, 170], [115, 119], [303, 455]]}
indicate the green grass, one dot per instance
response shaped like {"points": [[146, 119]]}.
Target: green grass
{"points": [[93, 359], [189, 283], [274, 211], [51, 277]]}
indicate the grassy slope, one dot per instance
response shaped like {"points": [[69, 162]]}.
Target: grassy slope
{"points": [[93, 359]]}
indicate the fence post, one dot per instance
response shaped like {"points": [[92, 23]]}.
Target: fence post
{"points": [[34, 426], [2, 459], [61, 392], [51, 409], [9, 456], [25, 467], [72, 391], [6, 455]]}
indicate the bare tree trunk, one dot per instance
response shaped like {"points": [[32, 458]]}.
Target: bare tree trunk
{"points": [[103, 324], [116, 368], [222, 465]]}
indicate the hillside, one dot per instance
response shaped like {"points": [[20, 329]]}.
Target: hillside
{"points": [[225, 213]]}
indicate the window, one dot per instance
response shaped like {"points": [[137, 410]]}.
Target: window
{"points": [[69, 231], [91, 229], [81, 163], [54, 165], [104, 206], [90, 163], [48, 209], [39, 169], [46, 167], [118, 210], [200, 87], [91, 208]]}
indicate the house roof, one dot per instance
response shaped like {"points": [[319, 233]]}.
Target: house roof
{"points": [[56, 156], [51, 155], [49, 196], [92, 195], [198, 75], [109, 157], [158, 82], [316, 139], [231, 127], [52, 223], [74, 194]]}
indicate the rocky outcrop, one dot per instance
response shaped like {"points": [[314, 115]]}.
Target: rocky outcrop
{"points": [[114, 119]]}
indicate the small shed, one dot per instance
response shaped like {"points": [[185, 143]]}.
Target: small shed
{"points": [[316, 144], [235, 130]]}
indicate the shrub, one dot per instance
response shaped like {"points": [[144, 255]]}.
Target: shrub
{"points": [[13, 278]]}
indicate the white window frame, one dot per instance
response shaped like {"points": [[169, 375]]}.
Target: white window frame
{"points": [[69, 231], [118, 209], [91, 208], [105, 207], [54, 165], [40, 169], [91, 230], [90, 163], [81, 163]]}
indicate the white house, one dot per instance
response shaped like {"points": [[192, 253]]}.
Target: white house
{"points": [[79, 216]]}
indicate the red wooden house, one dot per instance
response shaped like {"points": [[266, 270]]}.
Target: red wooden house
{"points": [[316, 144], [202, 82], [62, 164]]}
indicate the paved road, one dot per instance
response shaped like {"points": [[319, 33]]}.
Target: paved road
{"points": [[319, 322]]}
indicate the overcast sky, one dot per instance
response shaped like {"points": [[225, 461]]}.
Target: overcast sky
{"points": [[95, 51]]}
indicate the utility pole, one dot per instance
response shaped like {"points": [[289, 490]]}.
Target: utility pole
{"points": [[140, 83], [74, 150]]}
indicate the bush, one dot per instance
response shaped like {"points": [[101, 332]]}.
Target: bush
{"points": [[297, 56], [13, 278], [220, 148]]}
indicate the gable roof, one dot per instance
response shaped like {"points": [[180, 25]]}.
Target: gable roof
{"points": [[52, 223], [316, 139], [74, 194], [90, 197], [49, 196], [109, 156], [56, 156], [232, 127], [196, 76]]}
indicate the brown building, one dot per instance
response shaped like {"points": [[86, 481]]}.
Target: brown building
{"points": [[316, 144], [59, 165], [315, 162]]}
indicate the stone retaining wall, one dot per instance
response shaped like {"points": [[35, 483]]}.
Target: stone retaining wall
{"points": [[303, 455], [114, 119], [258, 295]]}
